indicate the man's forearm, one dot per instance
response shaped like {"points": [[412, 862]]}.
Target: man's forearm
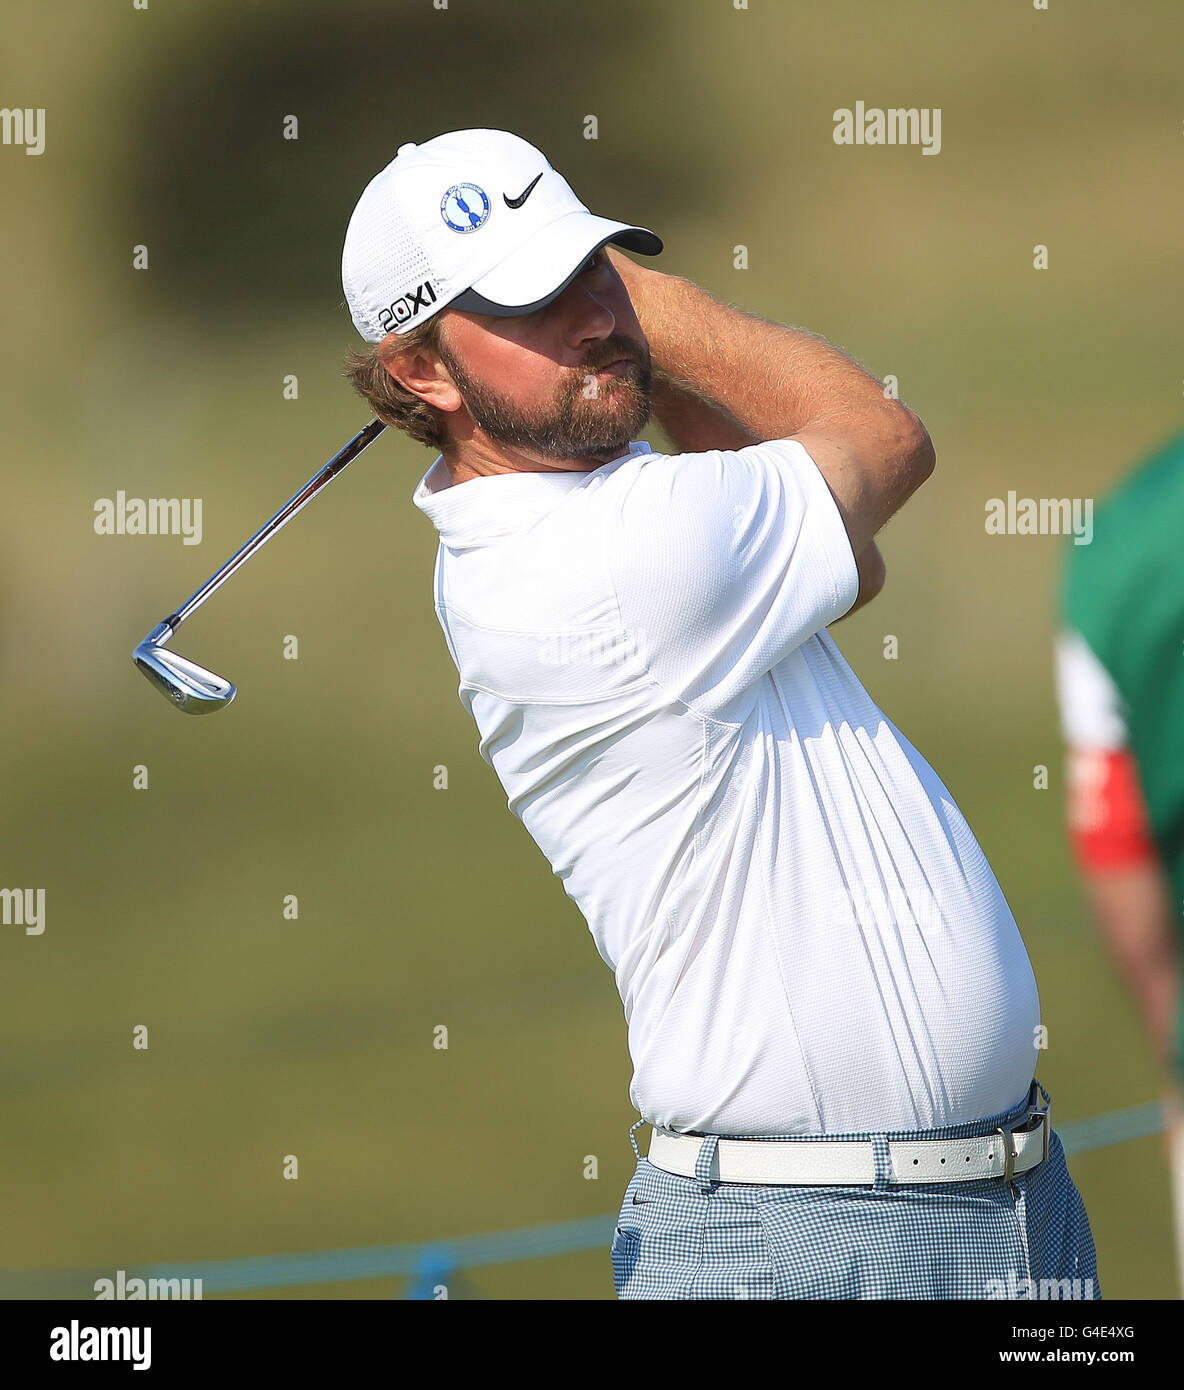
{"points": [[693, 423], [773, 380], [1134, 909], [872, 573], [724, 379]]}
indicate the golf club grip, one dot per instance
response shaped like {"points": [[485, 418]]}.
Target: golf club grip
{"points": [[346, 455]]}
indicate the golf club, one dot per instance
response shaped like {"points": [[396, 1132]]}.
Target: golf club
{"points": [[185, 684]]}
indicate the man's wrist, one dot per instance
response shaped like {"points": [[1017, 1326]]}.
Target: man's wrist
{"points": [[627, 269], [638, 280], [693, 422]]}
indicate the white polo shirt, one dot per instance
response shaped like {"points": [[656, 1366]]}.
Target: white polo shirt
{"points": [[806, 936]]}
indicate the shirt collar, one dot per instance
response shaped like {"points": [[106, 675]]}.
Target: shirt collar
{"points": [[487, 509]]}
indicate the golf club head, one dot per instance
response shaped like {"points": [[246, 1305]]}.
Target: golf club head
{"points": [[183, 683]]}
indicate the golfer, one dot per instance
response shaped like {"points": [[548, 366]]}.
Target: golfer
{"points": [[832, 1016]]}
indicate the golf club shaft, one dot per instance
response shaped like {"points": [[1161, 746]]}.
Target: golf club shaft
{"points": [[282, 517]]}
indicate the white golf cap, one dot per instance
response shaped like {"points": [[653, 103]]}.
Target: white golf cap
{"points": [[476, 220]]}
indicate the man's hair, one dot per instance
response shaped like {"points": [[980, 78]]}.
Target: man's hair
{"points": [[367, 373]]}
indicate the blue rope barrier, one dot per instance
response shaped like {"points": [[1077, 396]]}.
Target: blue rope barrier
{"points": [[431, 1264]]}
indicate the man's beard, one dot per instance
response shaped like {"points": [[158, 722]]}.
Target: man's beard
{"points": [[588, 417]]}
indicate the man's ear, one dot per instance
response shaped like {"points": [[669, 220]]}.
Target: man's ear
{"points": [[420, 371]]}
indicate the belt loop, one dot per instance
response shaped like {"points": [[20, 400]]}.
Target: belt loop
{"points": [[1046, 1118], [636, 1150], [885, 1173], [707, 1163], [1005, 1135]]}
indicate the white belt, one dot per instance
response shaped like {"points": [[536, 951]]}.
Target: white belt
{"points": [[829, 1162]]}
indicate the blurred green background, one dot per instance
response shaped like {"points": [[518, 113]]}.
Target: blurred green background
{"points": [[420, 907]]}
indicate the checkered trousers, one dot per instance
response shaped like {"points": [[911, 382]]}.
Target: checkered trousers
{"points": [[695, 1238]]}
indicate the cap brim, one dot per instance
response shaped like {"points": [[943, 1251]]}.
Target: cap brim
{"points": [[544, 265]]}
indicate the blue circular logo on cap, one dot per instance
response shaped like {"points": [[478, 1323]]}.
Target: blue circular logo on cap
{"points": [[464, 207]]}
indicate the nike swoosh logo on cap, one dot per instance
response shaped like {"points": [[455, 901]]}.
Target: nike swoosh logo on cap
{"points": [[522, 197]]}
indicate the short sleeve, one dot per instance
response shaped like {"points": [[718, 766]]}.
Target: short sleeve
{"points": [[1091, 709], [725, 562]]}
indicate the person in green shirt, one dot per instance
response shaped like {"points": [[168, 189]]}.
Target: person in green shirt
{"points": [[1120, 687]]}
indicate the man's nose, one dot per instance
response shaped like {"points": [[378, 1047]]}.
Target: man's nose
{"points": [[585, 315]]}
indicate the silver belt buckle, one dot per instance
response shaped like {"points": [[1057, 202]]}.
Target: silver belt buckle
{"points": [[1047, 1123], [1007, 1132]]}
